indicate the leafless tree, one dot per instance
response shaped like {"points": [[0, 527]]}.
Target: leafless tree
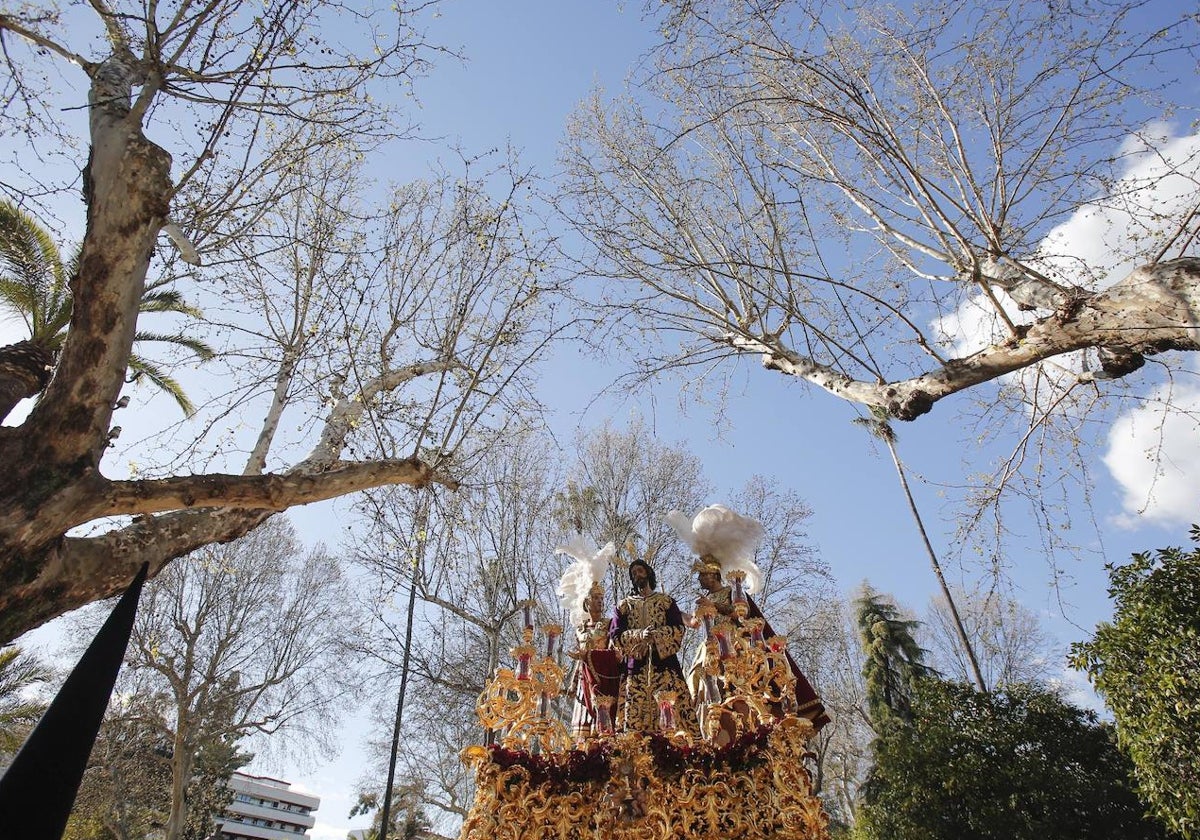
{"points": [[795, 577], [825, 644], [247, 107], [621, 486], [1013, 646], [474, 557], [243, 640], [880, 202]]}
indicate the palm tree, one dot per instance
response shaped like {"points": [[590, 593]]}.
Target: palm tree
{"points": [[35, 285], [19, 710], [880, 428]]}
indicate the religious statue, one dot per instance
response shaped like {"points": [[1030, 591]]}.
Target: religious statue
{"points": [[745, 776], [726, 542], [595, 680], [647, 630]]}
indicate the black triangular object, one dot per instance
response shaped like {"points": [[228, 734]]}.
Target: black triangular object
{"points": [[37, 792]]}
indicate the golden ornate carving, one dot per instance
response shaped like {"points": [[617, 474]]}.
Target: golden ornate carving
{"points": [[768, 797], [516, 705], [751, 784]]}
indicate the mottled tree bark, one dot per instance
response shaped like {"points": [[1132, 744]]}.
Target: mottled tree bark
{"points": [[1154, 309], [51, 463]]}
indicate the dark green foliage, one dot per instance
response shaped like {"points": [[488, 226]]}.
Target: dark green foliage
{"points": [[893, 660], [127, 786], [209, 792], [1146, 665], [1018, 764], [408, 819]]}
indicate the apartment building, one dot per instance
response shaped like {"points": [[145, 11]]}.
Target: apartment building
{"points": [[266, 809]]}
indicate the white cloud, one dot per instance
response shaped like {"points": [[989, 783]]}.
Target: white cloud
{"points": [[1154, 450], [1103, 241], [975, 324], [1074, 688], [328, 831], [1154, 455]]}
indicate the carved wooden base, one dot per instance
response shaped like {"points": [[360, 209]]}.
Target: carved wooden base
{"points": [[639, 787]]}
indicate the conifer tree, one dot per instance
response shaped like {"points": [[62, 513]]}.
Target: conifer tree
{"points": [[893, 659]]}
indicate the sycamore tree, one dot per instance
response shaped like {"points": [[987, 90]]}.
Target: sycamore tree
{"points": [[475, 556], [389, 325], [125, 791], [620, 487], [897, 204], [1012, 645], [469, 562], [240, 642]]}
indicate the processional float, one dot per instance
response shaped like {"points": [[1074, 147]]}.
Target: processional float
{"points": [[744, 777]]}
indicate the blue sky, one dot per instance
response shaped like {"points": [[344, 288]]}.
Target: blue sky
{"points": [[528, 65]]}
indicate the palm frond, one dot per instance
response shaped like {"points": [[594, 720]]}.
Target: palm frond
{"points": [[17, 297], [30, 262], [54, 321], [163, 381], [19, 673], [34, 283], [167, 301], [202, 350]]}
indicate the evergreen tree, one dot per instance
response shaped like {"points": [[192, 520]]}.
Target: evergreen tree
{"points": [[1144, 663], [1016, 764], [408, 819], [893, 659]]}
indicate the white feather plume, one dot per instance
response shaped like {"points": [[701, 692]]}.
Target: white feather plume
{"points": [[591, 565], [679, 520], [728, 536]]}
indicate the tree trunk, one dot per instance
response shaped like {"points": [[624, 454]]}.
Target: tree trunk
{"points": [[257, 462], [127, 186], [963, 638], [182, 762], [25, 369]]}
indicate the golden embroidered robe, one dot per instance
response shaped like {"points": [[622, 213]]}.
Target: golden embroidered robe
{"points": [[648, 632]]}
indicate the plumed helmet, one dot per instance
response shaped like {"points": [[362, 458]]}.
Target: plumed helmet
{"points": [[584, 574], [724, 540]]}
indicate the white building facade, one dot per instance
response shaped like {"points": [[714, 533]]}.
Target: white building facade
{"points": [[266, 809]]}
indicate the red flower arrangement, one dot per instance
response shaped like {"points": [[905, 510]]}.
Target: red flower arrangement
{"points": [[593, 764], [744, 752], [573, 767]]}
